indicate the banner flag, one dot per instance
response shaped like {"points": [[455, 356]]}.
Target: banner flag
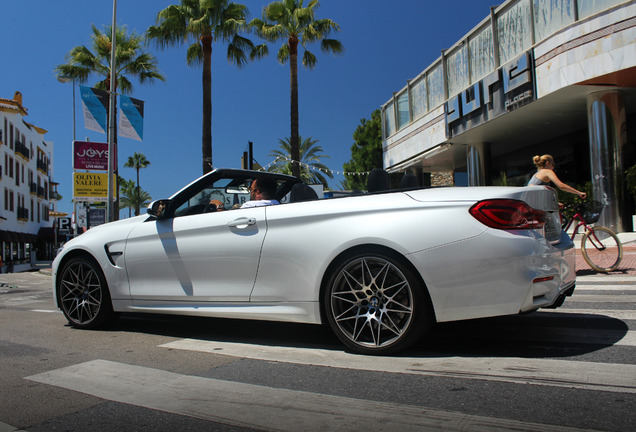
{"points": [[95, 108], [131, 119]]}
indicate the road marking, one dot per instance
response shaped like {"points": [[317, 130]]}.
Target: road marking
{"points": [[594, 288], [261, 407], [594, 313], [620, 378], [602, 298], [46, 310]]}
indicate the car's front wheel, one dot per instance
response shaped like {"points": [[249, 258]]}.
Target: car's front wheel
{"points": [[83, 294], [375, 304]]}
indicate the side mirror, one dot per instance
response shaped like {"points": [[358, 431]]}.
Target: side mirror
{"points": [[158, 208]]}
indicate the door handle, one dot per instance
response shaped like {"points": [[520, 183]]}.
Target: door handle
{"points": [[242, 222]]}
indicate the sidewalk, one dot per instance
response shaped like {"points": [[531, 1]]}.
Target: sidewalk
{"points": [[627, 265]]}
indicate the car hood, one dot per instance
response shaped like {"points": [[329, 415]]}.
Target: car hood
{"points": [[120, 226]]}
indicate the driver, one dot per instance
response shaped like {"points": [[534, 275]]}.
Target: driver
{"points": [[262, 193]]}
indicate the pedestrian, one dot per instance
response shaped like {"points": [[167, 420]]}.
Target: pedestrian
{"points": [[9, 266]]}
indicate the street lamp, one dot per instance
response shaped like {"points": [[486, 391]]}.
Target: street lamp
{"points": [[65, 79]]}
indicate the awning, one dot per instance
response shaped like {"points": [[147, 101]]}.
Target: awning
{"points": [[17, 237], [47, 234]]}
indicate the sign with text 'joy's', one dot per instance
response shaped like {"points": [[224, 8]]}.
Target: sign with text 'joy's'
{"points": [[92, 156]]}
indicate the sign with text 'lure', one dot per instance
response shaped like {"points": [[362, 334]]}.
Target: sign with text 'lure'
{"points": [[90, 187], [91, 156]]}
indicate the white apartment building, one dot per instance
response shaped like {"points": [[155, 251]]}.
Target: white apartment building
{"points": [[28, 193]]}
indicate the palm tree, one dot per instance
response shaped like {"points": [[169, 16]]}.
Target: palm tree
{"points": [[292, 22], [127, 193], [131, 196], [311, 169], [203, 22], [137, 161], [130, 60]]}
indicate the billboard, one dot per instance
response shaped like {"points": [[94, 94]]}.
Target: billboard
{"points": [[92, 156], [90, 187]]}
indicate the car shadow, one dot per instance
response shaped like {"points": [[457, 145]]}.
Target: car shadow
{"points": [[548, 334]]}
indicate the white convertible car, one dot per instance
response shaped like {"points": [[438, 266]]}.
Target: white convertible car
{"points": [[380, 268]]}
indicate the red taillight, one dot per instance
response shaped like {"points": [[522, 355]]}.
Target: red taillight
{"points": [[507, 214]]}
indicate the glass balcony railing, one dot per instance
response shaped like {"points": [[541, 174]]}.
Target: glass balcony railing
{"points": [[510, 30]]}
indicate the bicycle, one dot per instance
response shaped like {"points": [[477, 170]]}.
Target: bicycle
{"points": [[600, 247]]}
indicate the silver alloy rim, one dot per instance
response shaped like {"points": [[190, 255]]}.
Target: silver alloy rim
{"points": [[372, 302], [81, 293]]}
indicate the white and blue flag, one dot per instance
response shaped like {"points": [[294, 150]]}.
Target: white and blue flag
{"points": [[131, 118], [94, 106]]}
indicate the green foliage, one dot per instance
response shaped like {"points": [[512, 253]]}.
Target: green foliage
{"points": [[137, 161], [295, 24], [311, 169], [630, 179], [502, 180], [570, 201], [366, 152], [201, 23], [131, 196], [131, 59]]}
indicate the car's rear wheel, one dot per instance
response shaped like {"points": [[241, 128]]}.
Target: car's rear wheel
{"points": [[83, 294], [375, 304]]}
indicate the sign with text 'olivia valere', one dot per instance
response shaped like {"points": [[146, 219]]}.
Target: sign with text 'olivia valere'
{"points": [[90, 187]]}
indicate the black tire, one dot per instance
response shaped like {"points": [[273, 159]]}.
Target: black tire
{"points": [[602, 258], [83, 294], [375, 304]]}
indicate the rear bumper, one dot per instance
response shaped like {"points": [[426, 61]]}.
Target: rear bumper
{"points": [[550, 290]]}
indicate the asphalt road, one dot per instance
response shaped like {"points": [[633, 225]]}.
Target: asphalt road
{"points": [[566, 369]]}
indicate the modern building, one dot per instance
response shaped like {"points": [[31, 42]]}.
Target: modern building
{"points": [[28, 192], [533, 77]]}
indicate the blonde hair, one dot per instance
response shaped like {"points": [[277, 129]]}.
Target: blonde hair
{"points": [[541, 161]]}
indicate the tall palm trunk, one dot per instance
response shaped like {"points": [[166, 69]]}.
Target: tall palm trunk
{"points": [[294, 137], [206, 135], [138, 204]]}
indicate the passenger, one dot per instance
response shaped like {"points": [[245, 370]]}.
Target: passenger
{"points": [[262, 192], [545, 174], [217, 204]]}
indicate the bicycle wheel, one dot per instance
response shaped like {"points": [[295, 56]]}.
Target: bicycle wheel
{"points": [[601, 249]]}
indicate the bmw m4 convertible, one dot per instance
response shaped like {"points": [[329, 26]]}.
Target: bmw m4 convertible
{"points": [[379, 268]]}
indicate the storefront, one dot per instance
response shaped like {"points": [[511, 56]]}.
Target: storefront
{"points": [[534, 77]]}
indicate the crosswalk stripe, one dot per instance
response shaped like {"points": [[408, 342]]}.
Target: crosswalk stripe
{"points": [[261, 407], [602, 298], [594, 313], [560, 373]]}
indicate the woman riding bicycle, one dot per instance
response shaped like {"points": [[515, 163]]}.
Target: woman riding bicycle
{"points": [[545, 174]]}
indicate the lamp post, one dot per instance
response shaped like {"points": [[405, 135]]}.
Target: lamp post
{"points": [[64, 79]]}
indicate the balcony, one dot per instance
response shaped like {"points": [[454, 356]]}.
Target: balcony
{"points": [[22, 150], [33, 188], [43, 166], [23, 214]]}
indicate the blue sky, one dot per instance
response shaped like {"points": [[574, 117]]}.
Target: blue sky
{"points": [[386, 43]]}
